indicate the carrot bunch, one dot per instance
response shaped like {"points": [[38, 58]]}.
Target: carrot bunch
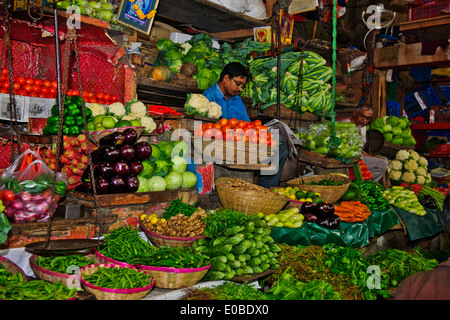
{"points": [[74, 157], [352, 211]]}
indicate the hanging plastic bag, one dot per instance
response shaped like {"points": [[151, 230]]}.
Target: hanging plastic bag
{"points": [[26, 189]]}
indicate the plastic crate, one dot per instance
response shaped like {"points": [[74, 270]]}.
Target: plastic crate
{"points": [[424, 9], [441, 149], [420, 100], [445, 90], [439, 114], [393, 108]]}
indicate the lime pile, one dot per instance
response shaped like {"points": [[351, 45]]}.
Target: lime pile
{"points": [[299, 195], [104, 122]]}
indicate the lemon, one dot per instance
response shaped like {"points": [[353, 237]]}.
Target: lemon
{"points": [[153, 220], [292, 196], [163, 220], [308, 199], [143, 216]]}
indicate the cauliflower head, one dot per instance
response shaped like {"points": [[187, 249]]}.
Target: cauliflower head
{"points": [[428, 178], [411, 165], [197, 104], [215, 110], [423, 162], [421, 171], [138, 109], [395, 165], [117, 109], [129, 117], [420, 180], [402, 155], [408, 177], [148, 123], [395, 175], [413, 155], [96, 109]]}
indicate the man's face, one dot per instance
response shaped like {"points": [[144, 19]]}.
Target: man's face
{"points": [[233, 86], [362, 117]]}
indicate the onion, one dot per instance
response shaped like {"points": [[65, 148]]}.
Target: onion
{"points": [[37, 197], [42, 207], [9, 212], [16, 204], [25, 196], [29, 206]]}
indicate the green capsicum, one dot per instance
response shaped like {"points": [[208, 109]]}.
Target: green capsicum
{"points": [[60, 188], [73, 110], [69, 121], [50, 130], [74, 130], [52, 120], [76, 100], [79, 121]]}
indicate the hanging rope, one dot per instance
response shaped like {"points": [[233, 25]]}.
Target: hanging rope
{"points": [[334, 141]]}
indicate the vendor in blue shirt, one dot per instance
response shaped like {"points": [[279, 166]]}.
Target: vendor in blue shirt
{"points": [[225, 92]]}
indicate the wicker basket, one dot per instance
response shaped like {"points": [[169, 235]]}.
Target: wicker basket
{"points": [[95, 136], [101, 258], [249, 202], [162, 240], [321, 160], [12, 267], [175, 278], [49, 275], [113, 294], [329, 194], [294, 204]]}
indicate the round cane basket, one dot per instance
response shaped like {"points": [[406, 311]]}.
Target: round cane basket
{"points": [[163, 240], [49, 275], [101, 293], [249, 201], [101, 258], [12, 267], [175, 278], [329, 194]]}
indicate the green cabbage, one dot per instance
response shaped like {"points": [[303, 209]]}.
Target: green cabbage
{"points": [[165, 149], [157, 183], [155, 153], [162, 168], [144, 186], [189, 179], [148, 169], [180, 148], [173, 180], [179, 164]]}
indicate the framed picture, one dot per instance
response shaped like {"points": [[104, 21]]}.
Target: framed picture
{"points": [[286, 27], [138, 14]]}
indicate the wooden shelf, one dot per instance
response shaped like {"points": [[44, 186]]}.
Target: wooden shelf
{"points": [[425, 23]]}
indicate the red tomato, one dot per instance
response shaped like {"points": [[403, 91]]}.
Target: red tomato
{"points": [[113, 98], [249, 125], [237, 138], [271, 143], [262, 140], [27, 87], [245, 138], [208, 133], [8, 195], [239, 131], [249, 131], [226, 127], [209, 125], [5, 85], [69, 93], [233, 122], [52, 91], [32, 94], [38, 82], [54, 84], [241, 124], [22, 92], [107, 97], [44, 90], [36, 88], [5, 71], [4, 90], [75, 92], [16, 86], [29, 81], [99, 96], [46, 84], [90, 95], [254, 138], [42, 95], [257, 123], [227, 135], [20, 80], [217, 126], [223, 122]]}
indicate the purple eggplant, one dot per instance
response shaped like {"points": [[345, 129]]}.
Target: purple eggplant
{"points": [[114, 139], [136, 167], [117, 184], [143, 150], [130, 136], [103, 170], [307, 207], [310, 217], [131, 183], [324, 210], [127, 152], [109, 153], [102, 185], [121, 168]]}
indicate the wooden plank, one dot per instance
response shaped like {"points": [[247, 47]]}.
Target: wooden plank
{"points": [[425, 23], [410, 56], [235, 34]]}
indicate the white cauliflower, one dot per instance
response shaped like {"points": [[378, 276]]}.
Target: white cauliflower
{"points": [[138, 110], [395, 165], [96, 109], [395, 175], [408, 177], [414, 155], [117, 109], [402, 155], [421, 171], [423, 162], [420, 180], [214, 110], [428, 178], [128, 117], [411, 165], [197, 104], [148, 123]]}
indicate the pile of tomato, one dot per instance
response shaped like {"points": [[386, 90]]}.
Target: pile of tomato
{"points": [[35, 87], [236, 130]]}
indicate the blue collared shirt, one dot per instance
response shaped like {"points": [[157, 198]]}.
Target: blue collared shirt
{"points": [[232, 108]]}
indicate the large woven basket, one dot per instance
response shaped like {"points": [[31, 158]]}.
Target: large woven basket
{"points": [[12, 267], [329, 194], [162, 240], [113, 294], [175, 278], [101, 258], [322, 160], [49, 275], [258, 200]]}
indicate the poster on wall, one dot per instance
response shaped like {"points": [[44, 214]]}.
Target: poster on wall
{"points": [[138, 14]]}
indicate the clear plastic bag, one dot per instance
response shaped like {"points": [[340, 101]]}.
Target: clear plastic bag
{"points": [[26, 187]]}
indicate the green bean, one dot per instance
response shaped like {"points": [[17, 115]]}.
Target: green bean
{"points": [[118, 278]]}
